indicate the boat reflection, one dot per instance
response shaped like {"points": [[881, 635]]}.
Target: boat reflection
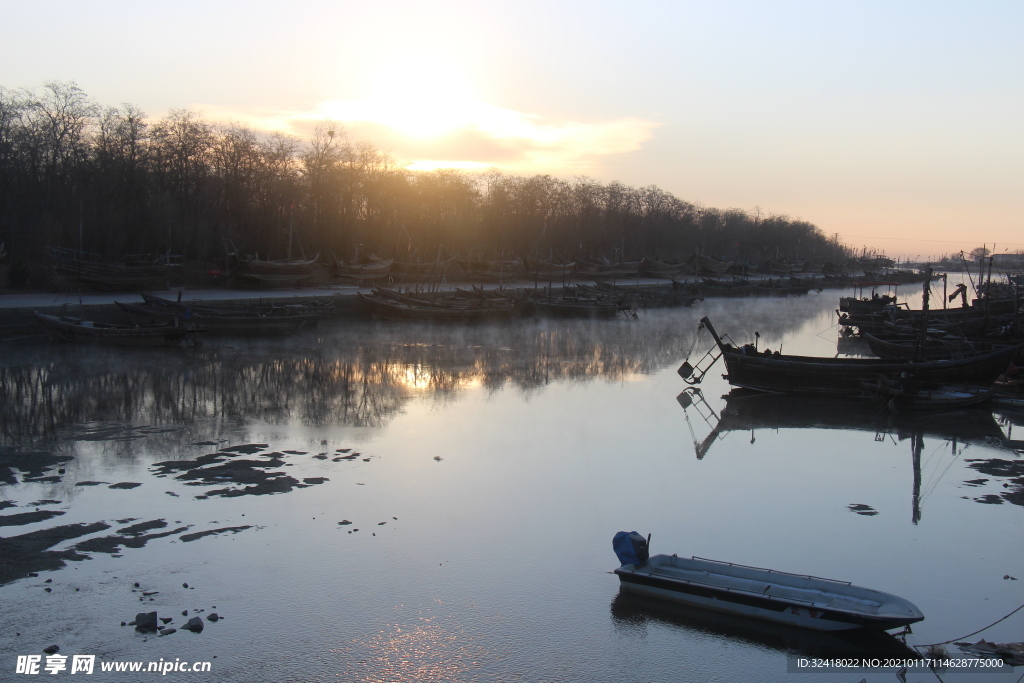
{"points": [[632, 613], [749, 411]]}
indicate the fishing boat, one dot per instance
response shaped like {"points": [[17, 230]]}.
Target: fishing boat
{"points": [[374, 270], [130, 273], [603, 270], [908, 347], [844, 377], [385, 308], [579, 307], [539, 269], [646, 296], [943, 397], [248, 320], [69, 329], [666, 271], [794, 599], [706, 265], [279, 272], [851, 304]]}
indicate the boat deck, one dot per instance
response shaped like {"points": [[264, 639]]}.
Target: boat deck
{"points": [[804, 595]]}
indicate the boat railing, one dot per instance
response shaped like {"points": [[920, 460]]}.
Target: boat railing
{"points": [[744, 591], [772, 571]]}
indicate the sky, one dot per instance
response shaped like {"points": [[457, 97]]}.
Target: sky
{"points": [[897, 125]]}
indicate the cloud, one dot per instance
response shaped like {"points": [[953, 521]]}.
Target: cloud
{"points": [[463, 134]]}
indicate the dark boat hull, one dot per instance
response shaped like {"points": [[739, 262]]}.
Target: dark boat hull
{"points": [[394, 310], [852, 377], [857, 377], [88, 332]]}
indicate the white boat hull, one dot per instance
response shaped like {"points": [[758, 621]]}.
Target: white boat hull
{"points": [[803, 601]]}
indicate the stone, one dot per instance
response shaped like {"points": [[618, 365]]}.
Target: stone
{"points": [[168, 631], [184, 585], [53, 649], [195, 624], [146, 621], [167, 620], [213, 616]]}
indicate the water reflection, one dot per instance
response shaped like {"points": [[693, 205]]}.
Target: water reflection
{"points": [[359, 375], [632, 614], [749, 411]]}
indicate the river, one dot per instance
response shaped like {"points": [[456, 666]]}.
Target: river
{"points": [[384, 502]]}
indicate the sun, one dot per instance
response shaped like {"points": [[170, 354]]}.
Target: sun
{"points": [[421, 97]]}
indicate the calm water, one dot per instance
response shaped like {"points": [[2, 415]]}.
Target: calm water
{"points": [[494, 465]]}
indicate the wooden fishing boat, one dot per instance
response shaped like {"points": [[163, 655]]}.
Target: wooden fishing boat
{"points": [[851, 304], [649, 296], [947, 396], [706, 265], [780, 267], [131, 273], [577, 307], [279, 272], [385, 309], [251, 320], [548, 270], [592, 270], [795, 599], [362, 271], [459, 298], [69, 329], [907, 347], [846, 377], [657, 269]]}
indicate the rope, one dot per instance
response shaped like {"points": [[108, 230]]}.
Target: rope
{"points": [[953, 640]]}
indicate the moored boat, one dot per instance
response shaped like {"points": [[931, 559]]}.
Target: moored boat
{"points": [[374, 270], [251, 320], [130, 273], [393, 309], [845, 377], [69, 329], [798, 600]]}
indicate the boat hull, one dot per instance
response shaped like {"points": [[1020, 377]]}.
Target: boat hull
{"points": [[758, 594], [88, 332], [856, 377]]}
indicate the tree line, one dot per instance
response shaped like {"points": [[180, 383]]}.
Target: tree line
{"points": [[112, 181]]}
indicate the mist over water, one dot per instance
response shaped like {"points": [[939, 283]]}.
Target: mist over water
{"points": [[483, 471]]}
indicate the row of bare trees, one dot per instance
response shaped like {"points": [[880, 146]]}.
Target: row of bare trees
{"points": [[112, 181]]}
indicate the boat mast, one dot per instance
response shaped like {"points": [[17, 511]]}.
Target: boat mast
{"points": [[922, 334]]}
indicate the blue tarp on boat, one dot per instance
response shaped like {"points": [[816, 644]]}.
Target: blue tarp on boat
{"points": [[630, 547]]}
